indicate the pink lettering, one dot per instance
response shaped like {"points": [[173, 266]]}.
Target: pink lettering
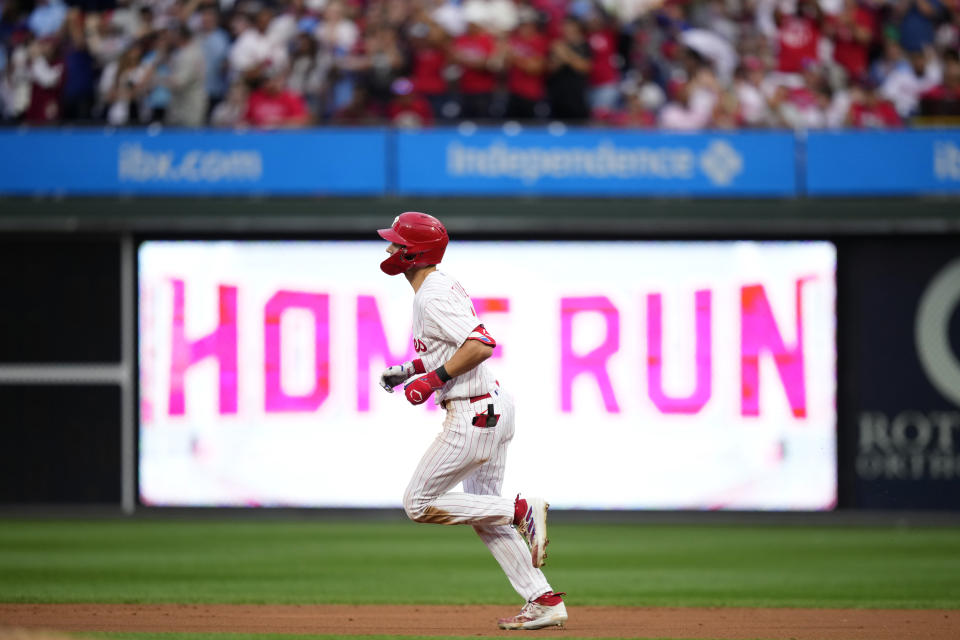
{"points": [[593, 363], [372, 342], [220, 344], [758, 334], [148, 353], [276, 400], [694, 402], [492, 305]]}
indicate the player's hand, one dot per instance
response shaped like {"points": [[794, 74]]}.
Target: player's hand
{"points": [[400, 373], [420, 389]]}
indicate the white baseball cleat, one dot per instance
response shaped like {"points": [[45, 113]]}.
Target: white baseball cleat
{"points": [[535, 615], [533, 528]]}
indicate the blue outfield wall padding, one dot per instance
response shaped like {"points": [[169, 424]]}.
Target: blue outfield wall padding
{"points": [[585, 162], [320, 162], [479, 162], [851, 163]]}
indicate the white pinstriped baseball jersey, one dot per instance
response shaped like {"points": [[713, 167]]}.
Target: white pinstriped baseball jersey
{"points": [[443, 319]]}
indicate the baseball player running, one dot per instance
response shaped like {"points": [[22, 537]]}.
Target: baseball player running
{"points": [[478, 427]]}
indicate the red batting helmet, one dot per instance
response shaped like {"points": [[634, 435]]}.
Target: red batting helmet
{"points": [[423, 240]]}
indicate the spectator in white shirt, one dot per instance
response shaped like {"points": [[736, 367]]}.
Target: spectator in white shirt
{"points": [[231, 111], [336, 32], [122, 86], [253, 54], [16, 82], [714, 48], [905, 85], [286, 24], [693, 107], [748, 84], [106, 38], [450, 16], [187, 82], [337, 38]]}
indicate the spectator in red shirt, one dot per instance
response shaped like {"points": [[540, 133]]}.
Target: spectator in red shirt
{"points": [[604, 79], [408, 110], [852, 32], [46, 75], [869, 111], [473, 53], [944, 99], [553, 11], [798, 36], [273, 106], [525, 58], [802, 106], [428, 59]]}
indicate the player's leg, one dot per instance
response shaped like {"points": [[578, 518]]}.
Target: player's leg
{"points": [[459, 450], [504, 542]]}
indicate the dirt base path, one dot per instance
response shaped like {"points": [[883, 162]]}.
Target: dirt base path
{"points": [[609, 622]]}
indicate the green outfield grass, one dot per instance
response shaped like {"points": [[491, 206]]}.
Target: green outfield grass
{"points": [[401, 562]]}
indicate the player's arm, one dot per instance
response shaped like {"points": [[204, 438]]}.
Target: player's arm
{"points": [[477, 347], [470, 354]]}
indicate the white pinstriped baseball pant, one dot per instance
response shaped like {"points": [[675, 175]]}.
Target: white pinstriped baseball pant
{"points": [[477, 456]]}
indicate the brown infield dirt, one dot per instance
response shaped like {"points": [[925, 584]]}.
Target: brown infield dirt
{"points": [[430, 620]]}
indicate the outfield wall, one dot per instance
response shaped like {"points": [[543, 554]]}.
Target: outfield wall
{"points": [[773, 385], [69, 374]]}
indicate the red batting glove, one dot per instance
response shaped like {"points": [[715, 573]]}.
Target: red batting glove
{"points": [[420, 389]]}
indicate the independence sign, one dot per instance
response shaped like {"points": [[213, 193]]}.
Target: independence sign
{"points": [[583, 162]]}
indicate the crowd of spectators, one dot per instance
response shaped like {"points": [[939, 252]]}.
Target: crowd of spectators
{"points": [[669, 64]]}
